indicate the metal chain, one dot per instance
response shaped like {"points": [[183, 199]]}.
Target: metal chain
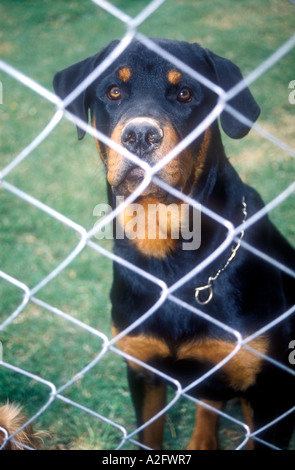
{"points": [[234, 250]]}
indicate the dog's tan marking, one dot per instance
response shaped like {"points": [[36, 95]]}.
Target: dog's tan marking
{"points": [[174, 77], [97, 143], [124, 74], [154, 402], [143, 348], [240, 371], [202, 155], [116, 161], [204, 436], [205, 433], [157, 226]]}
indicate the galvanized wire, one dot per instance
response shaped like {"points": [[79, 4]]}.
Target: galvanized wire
{"points": [[87, 237]]}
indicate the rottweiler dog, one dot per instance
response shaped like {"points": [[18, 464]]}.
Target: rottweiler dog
{"points": [[148, 105]]}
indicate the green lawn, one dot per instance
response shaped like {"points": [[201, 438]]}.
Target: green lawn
{"points": [[39, 38]]}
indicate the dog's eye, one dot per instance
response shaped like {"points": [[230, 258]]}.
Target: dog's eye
{"points": [[184, 96], [114, 93]]}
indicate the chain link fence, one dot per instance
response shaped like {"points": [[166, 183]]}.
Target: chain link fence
{"points": [[87, 239]]}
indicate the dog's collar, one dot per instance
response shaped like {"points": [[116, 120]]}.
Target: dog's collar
{"points": [[208, 288]]}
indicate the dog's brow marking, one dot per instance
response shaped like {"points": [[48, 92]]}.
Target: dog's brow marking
{"points": [[174, 77], [124, 74]]}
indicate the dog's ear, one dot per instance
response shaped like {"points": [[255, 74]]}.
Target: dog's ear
{"points": [[227, 76], [67, 80]]}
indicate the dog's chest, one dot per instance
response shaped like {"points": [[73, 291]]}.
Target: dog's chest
{"points": [[239, 365]]}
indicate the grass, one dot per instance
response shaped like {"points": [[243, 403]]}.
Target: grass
{"points": [[39, 38]]}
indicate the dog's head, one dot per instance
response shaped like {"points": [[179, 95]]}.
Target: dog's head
{"points": [[148, 105]]}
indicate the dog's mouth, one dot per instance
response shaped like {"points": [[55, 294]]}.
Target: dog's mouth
{"points": [[131, 181], [135, 176]]}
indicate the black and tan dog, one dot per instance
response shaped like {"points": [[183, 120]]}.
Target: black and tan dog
{"points": [[148, 105]]}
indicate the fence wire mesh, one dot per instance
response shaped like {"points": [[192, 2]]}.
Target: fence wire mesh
{"points": [[32, 295]]}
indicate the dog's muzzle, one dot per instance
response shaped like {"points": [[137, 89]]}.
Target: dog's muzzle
{"points": [[145, 138]]}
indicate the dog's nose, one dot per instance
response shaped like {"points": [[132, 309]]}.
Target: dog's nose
{"points": [[142, 136]]}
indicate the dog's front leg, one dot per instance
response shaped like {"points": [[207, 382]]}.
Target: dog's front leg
{"points": [[204, 436], [149, 398]]}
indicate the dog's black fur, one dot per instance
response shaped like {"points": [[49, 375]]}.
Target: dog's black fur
{"points": [[248, 295]]}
